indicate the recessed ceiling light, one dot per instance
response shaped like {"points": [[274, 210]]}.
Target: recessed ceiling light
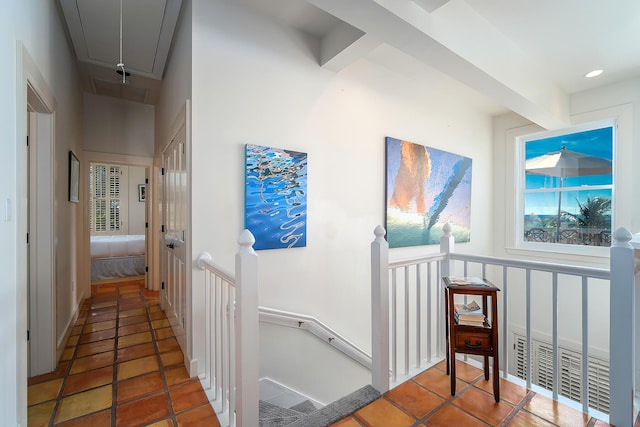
{"points": [[593, 73]]}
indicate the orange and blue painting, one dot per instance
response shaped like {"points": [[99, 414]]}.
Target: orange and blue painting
{"points": [[276, 197], [425, 189]]}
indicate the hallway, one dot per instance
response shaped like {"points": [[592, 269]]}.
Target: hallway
{"points": [[122, 366]]}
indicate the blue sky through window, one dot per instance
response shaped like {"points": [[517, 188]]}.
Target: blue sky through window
{"points": [[595, 142]]}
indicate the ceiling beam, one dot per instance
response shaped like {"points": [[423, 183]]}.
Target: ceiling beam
{"points": [[459, 42], [344, 45]]}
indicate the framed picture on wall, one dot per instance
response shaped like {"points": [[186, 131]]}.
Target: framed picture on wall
{"points": [[74, 178], [142, 189]]}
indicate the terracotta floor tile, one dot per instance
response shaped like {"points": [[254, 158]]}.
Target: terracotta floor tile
{"points": [[466, 372], [132, 313], [84, 403], [99, 419], [187, 396], [87, 380], [450, 416], [58, 373], [43, 392], [134, 339], [555, 412], [161, 323], [102, 317], [165, 423], [438, 382], [527, 419], [176, 375], [133, 306], [96, 347], [483, 406], [172, 358], [67, 354], [155, 308], [133, 329], [73, 340], [135, 367], [136, 351], [414, 399], [143, 411], [139, 386], [105, 304], [382, 413], [202, 416], [347, 422], [163, 333], [600, 423], [99, 326], [157, 315], [39, 415], [509, 391], [125, 321], [97, 336], [92, 362], [168, 345]]}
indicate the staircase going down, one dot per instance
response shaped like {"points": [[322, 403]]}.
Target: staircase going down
{"points": [[305, 414]]}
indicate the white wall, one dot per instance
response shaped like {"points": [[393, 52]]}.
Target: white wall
{"points": [[36, 26], [118, 126], [257, 82]]}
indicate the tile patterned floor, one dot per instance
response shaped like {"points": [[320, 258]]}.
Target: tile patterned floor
{"points": [[122, 366], [426, 400]]}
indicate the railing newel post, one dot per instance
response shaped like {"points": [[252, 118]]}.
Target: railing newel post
{"points": [[447, 244], [621, 333], [247, 325], [380, 311]]}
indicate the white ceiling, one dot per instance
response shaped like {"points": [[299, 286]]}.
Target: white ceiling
{"points": [[525, 56]]}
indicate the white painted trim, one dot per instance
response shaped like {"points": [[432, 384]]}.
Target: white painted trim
{"points": [[28, 75], [89, 157], [317, 328]]}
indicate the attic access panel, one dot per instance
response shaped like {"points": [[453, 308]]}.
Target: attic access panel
{"points": [[148, 26]]}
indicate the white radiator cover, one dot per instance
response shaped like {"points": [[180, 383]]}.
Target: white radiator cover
{"points": [[570, 368]]}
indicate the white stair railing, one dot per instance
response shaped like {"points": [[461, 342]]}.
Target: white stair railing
{"points": [[231, 341], [505, 272]]}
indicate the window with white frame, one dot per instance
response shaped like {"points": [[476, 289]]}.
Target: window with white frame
{"points": [[105, 199], [567, 191]]}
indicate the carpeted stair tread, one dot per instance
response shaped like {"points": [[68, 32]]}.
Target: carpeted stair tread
{"points": [[339, 409], [271, 415], [306, 407]]}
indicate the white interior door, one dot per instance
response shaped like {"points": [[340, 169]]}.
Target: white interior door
{"points": [[174, 224]]}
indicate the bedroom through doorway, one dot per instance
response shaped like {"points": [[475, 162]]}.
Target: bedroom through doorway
{"points": [[117, 221]]}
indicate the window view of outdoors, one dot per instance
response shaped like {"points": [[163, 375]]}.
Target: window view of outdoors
{"points": [[568, 188]]}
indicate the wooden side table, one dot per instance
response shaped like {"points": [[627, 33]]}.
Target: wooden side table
{"points": [[478, 340]]}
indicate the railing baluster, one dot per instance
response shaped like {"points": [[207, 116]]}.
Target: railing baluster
{"points": [[418, 311], [585, 345], [406, 320], [505, 322], [394, 339], [429, 312], [528, 327], [554, 334]]}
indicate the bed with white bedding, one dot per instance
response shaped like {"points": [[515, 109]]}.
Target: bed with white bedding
{"points": [[117, 256]]}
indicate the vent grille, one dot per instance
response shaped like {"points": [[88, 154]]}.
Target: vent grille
{"points": [[570, 367]]}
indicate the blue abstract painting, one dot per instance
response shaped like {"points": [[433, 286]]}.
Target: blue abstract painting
{"points": [[425, 189], [276, 197]]}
